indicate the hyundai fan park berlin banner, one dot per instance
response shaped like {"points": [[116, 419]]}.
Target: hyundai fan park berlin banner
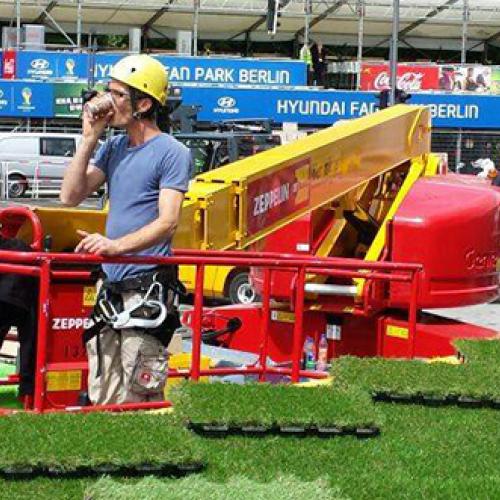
{"points": [[313, 107], [325, 107], [64, 65], [410, 78]]}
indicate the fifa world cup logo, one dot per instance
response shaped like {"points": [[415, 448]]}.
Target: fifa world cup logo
{"points": [[70, 67], [26, 93]]}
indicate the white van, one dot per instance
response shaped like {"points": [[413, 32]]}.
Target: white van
{"points": [[35, 160]]}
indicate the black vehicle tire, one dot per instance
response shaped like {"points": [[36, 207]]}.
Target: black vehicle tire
{"points": [[240, 290], [17, 185]]}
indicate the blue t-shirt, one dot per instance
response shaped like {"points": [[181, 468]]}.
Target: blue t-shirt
{"points": [[135, 176]]}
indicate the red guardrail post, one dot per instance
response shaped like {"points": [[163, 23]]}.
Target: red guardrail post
{"points": [[299, 321], [412, 311], [197, 318], [264, 324], [42, 335]]}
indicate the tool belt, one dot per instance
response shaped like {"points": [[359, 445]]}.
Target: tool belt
{"points": [[156, 313]]}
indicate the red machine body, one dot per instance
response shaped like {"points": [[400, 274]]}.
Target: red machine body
{"points": [[450, 225], [71, 302], [439, 253]]}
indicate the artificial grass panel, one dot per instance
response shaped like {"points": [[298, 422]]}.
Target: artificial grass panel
{"points": [[8, 393], [274, 405], [423, 453], [196, 488], [7, 369], [8, 398], [477, 378], [482, 352], [42, 488], [67, 442]]}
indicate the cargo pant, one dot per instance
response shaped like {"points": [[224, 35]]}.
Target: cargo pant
{"points": [[133, 364]]}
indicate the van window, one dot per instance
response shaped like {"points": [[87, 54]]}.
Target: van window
{"points": [[18, 146], [57, 146]]}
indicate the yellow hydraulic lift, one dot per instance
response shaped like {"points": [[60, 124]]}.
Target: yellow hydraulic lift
{"points": [[365, 165]]}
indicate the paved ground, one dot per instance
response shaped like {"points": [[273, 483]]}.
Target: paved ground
{"points": [[487, 315]]}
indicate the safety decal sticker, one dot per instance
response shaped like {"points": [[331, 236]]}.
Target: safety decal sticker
{"points": [[399, 332], [70, 380], [89, 296]]}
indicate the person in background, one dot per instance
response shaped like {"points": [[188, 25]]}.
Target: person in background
{"points": [[496, 178], [481, 81], [305, 55], [319, 62], [447, 79], [470, 81], [147, 173]]}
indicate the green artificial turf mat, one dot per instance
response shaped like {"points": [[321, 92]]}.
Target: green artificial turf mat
{"points": [[476, 378], [7, 369], [422, 453], [71, 442], [197, 488], [8, 393], [274, 405], [483, 352]]}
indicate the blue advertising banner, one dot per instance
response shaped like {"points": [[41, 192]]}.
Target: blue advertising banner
{"points": [[461, 111], [44, 65], [325, 107], [26, 99], [304, 106], [5, 98], [227, 71], [220, 71]]}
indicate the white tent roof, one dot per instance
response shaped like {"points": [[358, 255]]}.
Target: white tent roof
{"points": [[432, 22]]}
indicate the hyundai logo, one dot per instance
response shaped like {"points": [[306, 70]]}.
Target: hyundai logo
{"points": [[39, 64], [226, 102]]}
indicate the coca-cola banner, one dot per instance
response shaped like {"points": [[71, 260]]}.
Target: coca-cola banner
{"points": [[410, 78]]}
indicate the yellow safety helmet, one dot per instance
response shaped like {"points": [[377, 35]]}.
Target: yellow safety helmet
{"points": [[143, 73]]}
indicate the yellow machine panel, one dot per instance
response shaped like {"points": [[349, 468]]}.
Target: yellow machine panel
{"points": [[216, 215], [282, 184], [337, 169]]}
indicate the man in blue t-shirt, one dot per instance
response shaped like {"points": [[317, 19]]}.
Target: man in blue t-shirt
{"points": [[147, 173]]}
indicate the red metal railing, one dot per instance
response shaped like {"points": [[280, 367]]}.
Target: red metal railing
{"points": [[41, 265]]}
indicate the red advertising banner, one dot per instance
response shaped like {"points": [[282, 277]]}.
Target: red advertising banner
{"points": [[9, 64], [278, 195], [410, 78]]}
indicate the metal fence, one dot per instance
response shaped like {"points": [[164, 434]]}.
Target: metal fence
{"points": [[465, 147], [41, 125], [26, 180]]}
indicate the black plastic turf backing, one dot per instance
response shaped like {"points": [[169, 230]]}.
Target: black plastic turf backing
{"points": [[222, 430], [169, 470], [461, 401]]}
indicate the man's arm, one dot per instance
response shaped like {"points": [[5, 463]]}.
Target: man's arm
{"points": [[161, 229], [81, 179]]}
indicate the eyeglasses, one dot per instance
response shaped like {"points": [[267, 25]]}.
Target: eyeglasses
{"points": [[116, 93]]}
